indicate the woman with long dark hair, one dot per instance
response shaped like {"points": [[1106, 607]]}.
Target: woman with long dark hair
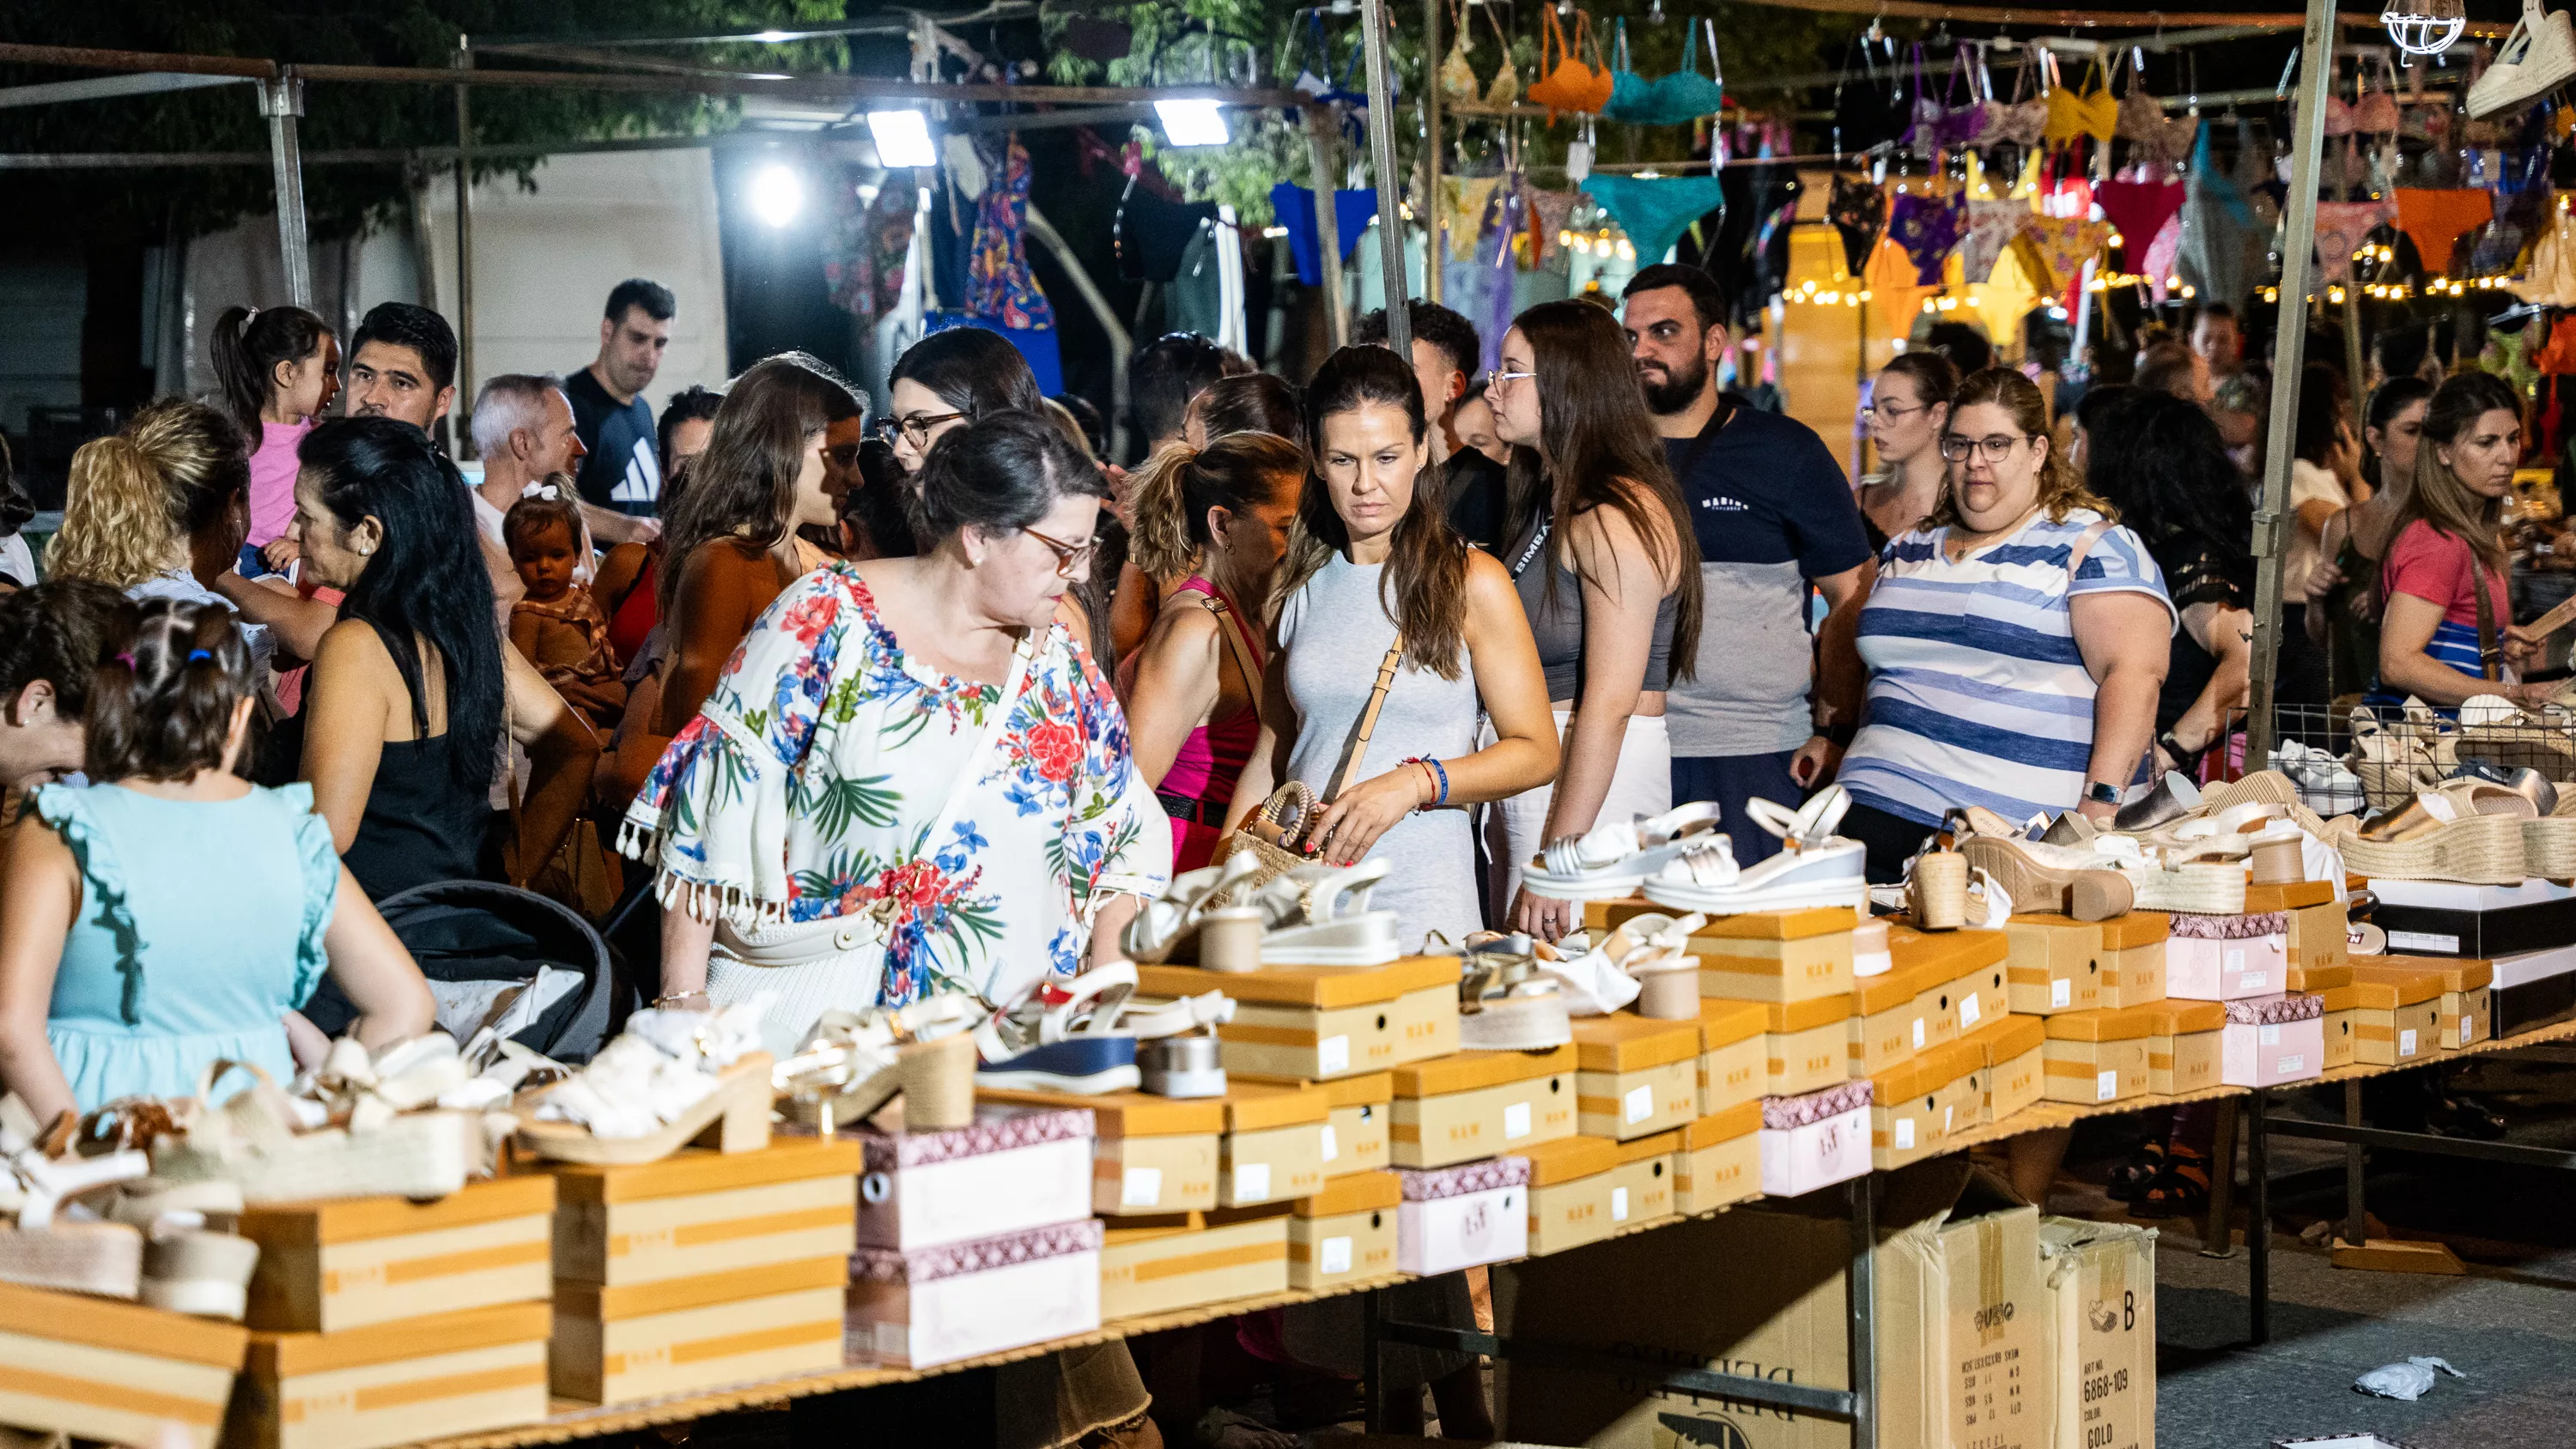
{"points": [[2161, 463], [2343, 589], [414, 686], [1373, 569], [1606, 565], [279, 368], [2446, 616], [949, 379]]}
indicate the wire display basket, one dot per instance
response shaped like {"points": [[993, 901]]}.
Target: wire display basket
{"points": [[2358, 761]]}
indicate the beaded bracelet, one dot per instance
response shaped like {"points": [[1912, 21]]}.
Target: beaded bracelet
{"points": [[1439, 773]]}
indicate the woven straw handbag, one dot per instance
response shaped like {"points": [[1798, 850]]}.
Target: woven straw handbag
{"points": [[1270, 832]]}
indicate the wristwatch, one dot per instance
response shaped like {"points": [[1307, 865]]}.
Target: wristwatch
{"points": [[2095, 790]]}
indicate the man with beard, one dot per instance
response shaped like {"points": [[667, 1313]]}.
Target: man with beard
{"points": [[1774, 516]]}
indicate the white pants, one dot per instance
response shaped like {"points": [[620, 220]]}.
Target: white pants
{"points": [[810, 968], [1515, 829]]}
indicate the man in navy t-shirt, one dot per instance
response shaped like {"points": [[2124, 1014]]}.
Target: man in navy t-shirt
{"points": [[1774, 516], [624, 468]]}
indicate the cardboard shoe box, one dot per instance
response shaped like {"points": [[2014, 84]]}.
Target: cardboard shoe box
{"points": [[2396, 1014], [1320, 1022], [1462, 1216], [2228, 958], [2468, 997], [1149, 1155], [2340, 1003], [1974, 962], [1734, 1053], [2099, 1294], [1159, 1265], [1582, 1191], [1815, 1140], [1970, 1284], [1345, 1233], [2013, 1057], [2133, 958], [1274, 1143], [2274, 1040], [701, 1211], [1635, 1076], [2320, 934], [1917, 1104], [95, 1368], [2534, 989], [349, 1262], [393, 1383], [1884, 1029], [1010, 1169], [2054, 964], [1806, 1044], [1719, 1160], [2183, 1049], [1776, 957], [2446, 918], [1355, 1132], [2097, 1056], [1477, 1103], [616, 1345], [960, 1300]]}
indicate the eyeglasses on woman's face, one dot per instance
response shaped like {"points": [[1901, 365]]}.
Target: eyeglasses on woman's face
{"points": [[916, 428], [1994, 447], [1070, 558], [1895, 412], [1500, 381]]}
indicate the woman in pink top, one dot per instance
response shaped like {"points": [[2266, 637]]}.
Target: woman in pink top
{"points": [[2448, 551], [1219, 516], [279, 368]]}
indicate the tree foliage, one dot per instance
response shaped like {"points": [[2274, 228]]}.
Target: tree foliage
{"points": [[350, 116]]}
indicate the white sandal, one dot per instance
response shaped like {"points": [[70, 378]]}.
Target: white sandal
{"points": [[1612, 859], [1319, 915], [670, 1079], [1163, 928], [43, 1250]]}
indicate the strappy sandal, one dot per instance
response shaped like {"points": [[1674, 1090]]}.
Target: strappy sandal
{"points": [[38, 1177], [365, 1125], [1505, 1001], [1817, 869], [670, 1080], [1168, 925], [1059, 1036], [2180, 1191], [1612, 859], [2132, 1177], [1319, 915], [853, 1063]]}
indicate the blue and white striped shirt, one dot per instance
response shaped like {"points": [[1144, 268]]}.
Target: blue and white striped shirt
{"points": [[1977, 692]]}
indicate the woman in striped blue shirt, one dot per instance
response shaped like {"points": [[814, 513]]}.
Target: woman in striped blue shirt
{"points": [[2015, 644]]}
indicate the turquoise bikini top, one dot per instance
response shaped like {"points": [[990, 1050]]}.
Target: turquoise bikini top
{"points": [[1675, 100]]}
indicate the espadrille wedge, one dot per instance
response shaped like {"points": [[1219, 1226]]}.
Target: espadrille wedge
{"points": [[2474, 850]]}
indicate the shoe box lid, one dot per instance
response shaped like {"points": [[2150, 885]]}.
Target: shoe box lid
{"points": [[1717, 1127], [998, 1127], [1369, 1089], [2340, 998], [2107, 1023], [1129, 1114], [1891, 990], [1318, 986], [2384, 988], [694, 1170], [2292, 896], [1568, 1158], [1259, 1106], [1924, 1073], [1468, 1070], [2184, 1018], [2137, 928], [1638, 1149], [1356, 1192], [278, 1226], [1780, 925], [275, 1356], [1782, 1017], [2319, 978], [127, 1327], [1723, 1023], [1948, 954], [590, 1302], [2007, 1038], [2458, 973], [1626, 1042]]}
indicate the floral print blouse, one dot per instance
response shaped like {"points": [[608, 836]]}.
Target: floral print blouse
{"points": [[806, 787]]}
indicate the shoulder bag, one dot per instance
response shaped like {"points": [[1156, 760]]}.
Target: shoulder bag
{"points": [[1269, 832]]}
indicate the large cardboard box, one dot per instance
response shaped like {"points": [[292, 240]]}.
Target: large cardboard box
{"points": [[1476, 1104], [1776, 957], [1761, 1292], [1635, 1076], [2054, 964], [1150, 1155], [2100, 1292]]}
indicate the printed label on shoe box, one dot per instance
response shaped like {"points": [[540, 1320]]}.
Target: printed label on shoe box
{"points": [[1516, 1121], [2423, 941], [1142, 1187], [1333, 1054]]}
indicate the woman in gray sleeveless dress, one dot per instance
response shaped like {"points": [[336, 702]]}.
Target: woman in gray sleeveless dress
{"points": [[1369, 555]]}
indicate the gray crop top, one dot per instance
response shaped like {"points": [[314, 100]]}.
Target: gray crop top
{"points": [[1558, 626]]}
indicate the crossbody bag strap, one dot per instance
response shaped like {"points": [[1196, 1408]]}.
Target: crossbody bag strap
{"points": [[1230, 626], [1357, 750]]}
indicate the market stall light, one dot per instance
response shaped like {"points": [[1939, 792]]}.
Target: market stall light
{"points": [[903, 138], [2424, 27], [1192, 123], [777, 194]]}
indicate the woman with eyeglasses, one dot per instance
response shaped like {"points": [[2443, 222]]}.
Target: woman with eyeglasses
{"points": [[947, 380], [1607, 569], [2015, 641], [1908, 408], [908, 778]]}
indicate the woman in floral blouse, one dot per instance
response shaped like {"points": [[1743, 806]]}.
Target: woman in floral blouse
{"points": [[908, 778]]}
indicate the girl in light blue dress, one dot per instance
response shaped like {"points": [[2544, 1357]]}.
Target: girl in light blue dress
{"points": [[171, 914]]}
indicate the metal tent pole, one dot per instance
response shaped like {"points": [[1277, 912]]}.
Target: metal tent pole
{"points": [[2272, 518], [1390, 187], [282, 101], [462, 412], [1322, 149], [1437, 216]]}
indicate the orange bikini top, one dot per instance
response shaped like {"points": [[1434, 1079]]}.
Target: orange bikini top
{"points": [[1571, 84]]}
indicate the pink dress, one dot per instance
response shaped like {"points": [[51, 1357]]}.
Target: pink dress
{"points": [[1200, 783], [272, 479]]}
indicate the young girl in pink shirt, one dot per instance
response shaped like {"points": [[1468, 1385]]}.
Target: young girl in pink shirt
{"points": [[279, 368]]}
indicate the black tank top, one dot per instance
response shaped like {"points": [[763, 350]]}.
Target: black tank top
{"points": [[419, 826]]}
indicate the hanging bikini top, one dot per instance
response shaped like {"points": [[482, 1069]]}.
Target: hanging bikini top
{"points": [[1457, 75], [1570, 84], [2024, 119], [1506, 89], [2376, 112], [2093, 113], [1675, 100]]}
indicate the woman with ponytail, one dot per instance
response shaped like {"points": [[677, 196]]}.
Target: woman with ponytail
{"points": [[1216, 518], [279, 368], [173, 914], [1373, 569]]}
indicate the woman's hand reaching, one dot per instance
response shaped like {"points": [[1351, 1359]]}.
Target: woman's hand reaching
{"points": [[1344, 830]]}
